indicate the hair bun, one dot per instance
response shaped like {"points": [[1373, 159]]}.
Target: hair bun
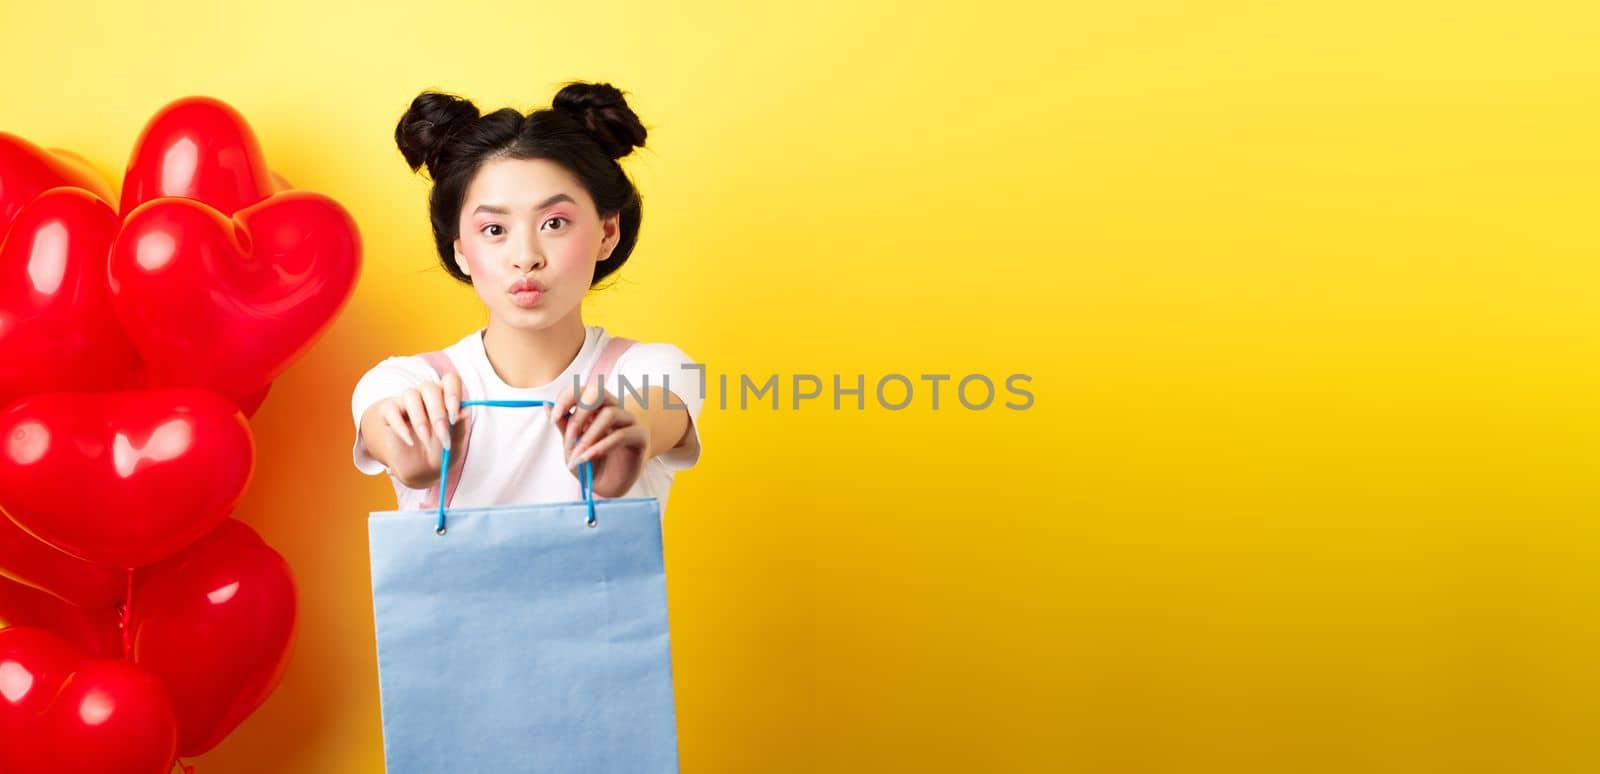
{"points": [[425, 129], [602, 111]]}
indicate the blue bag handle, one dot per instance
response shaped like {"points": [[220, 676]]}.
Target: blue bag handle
{"points": [[585, 468]]}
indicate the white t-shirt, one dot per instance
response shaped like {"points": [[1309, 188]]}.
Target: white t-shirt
{"points": [[515, 454]]}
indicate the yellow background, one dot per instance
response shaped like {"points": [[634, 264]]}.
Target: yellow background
{"points": [[1306, 294]]}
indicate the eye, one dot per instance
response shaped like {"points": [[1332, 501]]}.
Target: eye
{"points": [[485, 229], [554, 219]]}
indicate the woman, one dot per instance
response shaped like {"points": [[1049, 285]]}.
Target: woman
{"points": [[531, 211]]}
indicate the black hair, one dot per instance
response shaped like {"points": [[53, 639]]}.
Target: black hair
{"points": [[586, 129]]}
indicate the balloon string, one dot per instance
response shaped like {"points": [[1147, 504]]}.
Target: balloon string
{"points": [[127, 620], [187, 769]]}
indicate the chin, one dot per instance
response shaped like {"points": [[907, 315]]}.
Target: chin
{"points": [[530, 319]]}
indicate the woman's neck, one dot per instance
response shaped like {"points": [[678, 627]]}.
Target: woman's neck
{"points": [[533, 357]]}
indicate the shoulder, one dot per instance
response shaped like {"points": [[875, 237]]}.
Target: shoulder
{"points": [[399, 369], [666, 365], [398, 373], [390, 377], [415, 369], [654, 355]]}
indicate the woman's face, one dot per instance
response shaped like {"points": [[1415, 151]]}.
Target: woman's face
{"points": [[529, 239]]}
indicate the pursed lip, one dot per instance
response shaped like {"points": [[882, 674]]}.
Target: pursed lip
{"points": [[526, 284]]}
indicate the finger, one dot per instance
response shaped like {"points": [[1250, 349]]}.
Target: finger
{"points": [[433, 400], [604, 420], [396, 423], [628, 436], [560, 407], [452, 397], [435, 458], [418, 416], [594, 399]]}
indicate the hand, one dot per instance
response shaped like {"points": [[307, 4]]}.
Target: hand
{"points": [[606, 433], [423, 419]]}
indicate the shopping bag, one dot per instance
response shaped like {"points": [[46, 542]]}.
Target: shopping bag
{"points": [[524, 638]]}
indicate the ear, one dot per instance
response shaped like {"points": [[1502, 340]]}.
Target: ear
{"points": [[461, 258], [610, 233]]}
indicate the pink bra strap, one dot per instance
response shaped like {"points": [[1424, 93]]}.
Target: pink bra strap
{"points": [[439, 362], [608, 359]]}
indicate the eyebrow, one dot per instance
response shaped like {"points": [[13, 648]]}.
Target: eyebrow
{"points": [[560, 197]]}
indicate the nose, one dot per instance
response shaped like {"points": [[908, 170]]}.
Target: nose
{"points": [[528, 256]]}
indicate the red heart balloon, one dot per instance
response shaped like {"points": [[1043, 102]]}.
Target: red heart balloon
{"points": [[96, 631], [27, 170], [123, 479], [216, 623], [60, 712], [228, 304], [35, 563], [57, 328], [250, 404], [197, 148]]}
